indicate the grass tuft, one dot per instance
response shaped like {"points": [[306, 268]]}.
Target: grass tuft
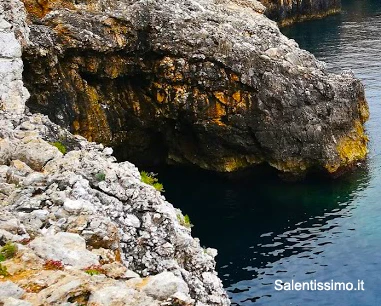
{"points": [[150, 179], [60, 146], [8, 251], [184, 220], [3, 270], [94, 270]]}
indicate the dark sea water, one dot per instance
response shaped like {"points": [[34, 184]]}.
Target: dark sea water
{"points": [[266, 229]]}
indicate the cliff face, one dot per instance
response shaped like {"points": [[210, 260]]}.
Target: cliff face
{"points": [[76, 227], [208, 83], [286, 12]]}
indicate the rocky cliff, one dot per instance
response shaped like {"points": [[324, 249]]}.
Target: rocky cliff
{"points": [[286, 12], [76, 227], [207, 83]]}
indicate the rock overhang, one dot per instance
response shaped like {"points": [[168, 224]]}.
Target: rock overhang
{"points": [[213, 84]]}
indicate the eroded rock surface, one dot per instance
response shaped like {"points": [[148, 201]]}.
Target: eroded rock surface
{"points": [[83, 229], [208, 83], [286, 12]]}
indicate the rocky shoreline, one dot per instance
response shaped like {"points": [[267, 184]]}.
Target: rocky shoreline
{"points": [[211, 84], [79, 228], [289, 11], [76, 227]]}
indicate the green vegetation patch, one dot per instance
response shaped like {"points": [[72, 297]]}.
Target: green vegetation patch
{"points": [[184, 220], [3, 270], [8, 251], [94, 270], [100, 176], [150, 179], [60, 146]]}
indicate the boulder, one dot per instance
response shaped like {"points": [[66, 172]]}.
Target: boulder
{"points": [[36, 153], [162, 286], [68, 248], [9, 289]]}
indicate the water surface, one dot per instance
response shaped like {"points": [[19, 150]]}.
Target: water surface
{"points": [[266, 229]]}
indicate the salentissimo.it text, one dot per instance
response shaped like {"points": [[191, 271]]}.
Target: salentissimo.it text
{"points": [[314, 285]]}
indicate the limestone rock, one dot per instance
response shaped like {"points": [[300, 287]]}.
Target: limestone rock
{"points": [[15, 302], [287, 12], [9, 289], [66, 247], [36, 153], [163, 81], [120, 295], [56, 205], [13, 30], [115, 270], [164, 285]]}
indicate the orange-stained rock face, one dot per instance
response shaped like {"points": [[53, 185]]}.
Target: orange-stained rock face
{"points": [[221, 93], [39, 8]]}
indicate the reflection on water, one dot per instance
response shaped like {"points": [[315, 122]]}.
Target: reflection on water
{"points": [[266, 229]]}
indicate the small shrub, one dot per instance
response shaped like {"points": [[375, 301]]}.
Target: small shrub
{"points": [[3, 270], [187, 221], [8, 251], [53, 265], [100, 176], [184, 221], [94, 270], [60, 146], [150, 179]]}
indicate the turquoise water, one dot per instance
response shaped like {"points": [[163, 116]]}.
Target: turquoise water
{"points": [[266, 229]]}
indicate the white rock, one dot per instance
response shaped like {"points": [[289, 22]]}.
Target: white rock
{"points": [[36, 153], [15, 302], [120, 295], [131, 220], [9, 289], [108, 151], [212, 252], [68, 248], [73, 206], [131, 274], [162, 286]]}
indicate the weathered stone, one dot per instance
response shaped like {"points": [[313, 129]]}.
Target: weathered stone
{"points": [[17, 172], [68, 248], [164, 285], [5, 151], [115, 270], [174, 85], [67, 195], [9, 289], [15, 302], [73, 206], [289, 11], [36, 153], [130, 274], [119, 295]]}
